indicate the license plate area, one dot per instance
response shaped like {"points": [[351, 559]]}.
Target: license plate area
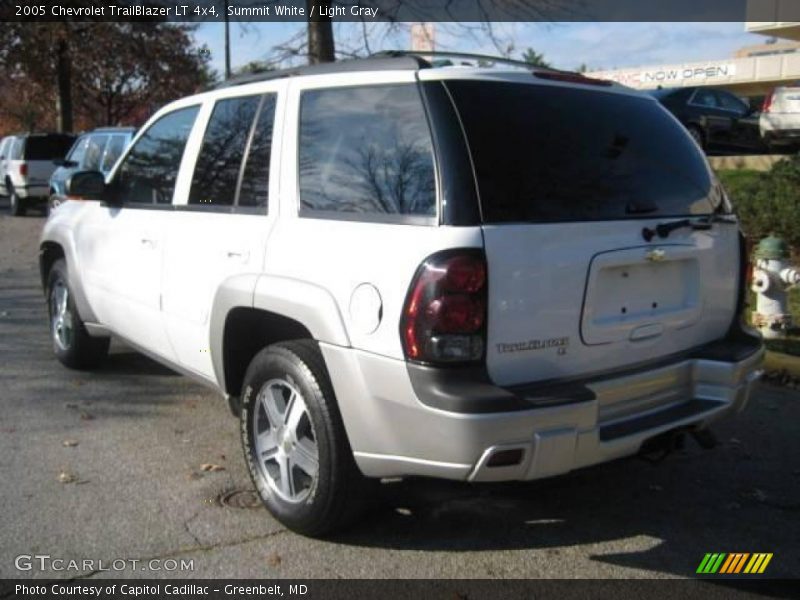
{"points": [[640, 293]]}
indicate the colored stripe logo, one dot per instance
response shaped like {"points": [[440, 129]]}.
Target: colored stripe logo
{"points": [[734, 563]]}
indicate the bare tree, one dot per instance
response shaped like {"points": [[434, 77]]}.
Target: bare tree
{"points": [[322, 40]]}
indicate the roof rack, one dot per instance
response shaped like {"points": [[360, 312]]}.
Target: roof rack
{"points": [[538, 71], [422, 54], [371, 63], [379, 61], [112, 128]]}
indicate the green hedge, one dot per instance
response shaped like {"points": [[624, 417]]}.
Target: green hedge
{"points": [[767, 202]]}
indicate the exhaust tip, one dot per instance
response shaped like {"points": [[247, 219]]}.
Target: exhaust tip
{"points": [[506, 458]]}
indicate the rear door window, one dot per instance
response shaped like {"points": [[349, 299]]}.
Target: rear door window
{"points": [[254, 189], [16, 149], [546, 153], [366, 151], [217, 170], [732, 103]]}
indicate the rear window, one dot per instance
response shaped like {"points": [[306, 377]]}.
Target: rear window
{"points": [[551, 153], [47, 147]]}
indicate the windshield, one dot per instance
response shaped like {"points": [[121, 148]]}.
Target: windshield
{"points": [[546, 153]]}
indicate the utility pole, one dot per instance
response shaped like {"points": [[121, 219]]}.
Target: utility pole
{"points": [[227, 43]]}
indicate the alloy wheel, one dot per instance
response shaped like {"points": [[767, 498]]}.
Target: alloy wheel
{"points": [[284, 441], [60, 316]]}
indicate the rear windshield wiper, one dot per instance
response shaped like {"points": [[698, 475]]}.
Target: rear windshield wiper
{"points": [[663, 230]]}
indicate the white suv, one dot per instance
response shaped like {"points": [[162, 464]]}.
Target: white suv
{"points": [[26, 163], [780, 117], [393, 269]]}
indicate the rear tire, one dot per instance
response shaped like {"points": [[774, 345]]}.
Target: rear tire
{"points": [[295, 444], [15, 202], [72, 344]]}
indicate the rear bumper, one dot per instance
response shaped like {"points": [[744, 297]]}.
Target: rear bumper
{"points": [[33, 192], [782, 135], [780, 125], [393, 433]]}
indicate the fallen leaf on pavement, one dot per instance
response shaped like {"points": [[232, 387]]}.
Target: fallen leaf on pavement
{"points": [[211, 467], [274, 559], [66, 477]]}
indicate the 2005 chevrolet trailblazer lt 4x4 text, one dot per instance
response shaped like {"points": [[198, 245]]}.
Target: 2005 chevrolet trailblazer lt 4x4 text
{"points": [[395, 268]]}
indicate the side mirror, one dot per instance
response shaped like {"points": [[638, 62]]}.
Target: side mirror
{"points": [[89, 185]]}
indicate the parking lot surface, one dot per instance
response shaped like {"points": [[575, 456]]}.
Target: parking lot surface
{"points": [[136, 462]]}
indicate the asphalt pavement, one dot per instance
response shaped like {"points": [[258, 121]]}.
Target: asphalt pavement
{"points": [[136, 463]]}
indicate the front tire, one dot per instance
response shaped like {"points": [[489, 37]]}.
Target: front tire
{"points": [[53, 202], [72, 344], [15, 202], [294, 441]]}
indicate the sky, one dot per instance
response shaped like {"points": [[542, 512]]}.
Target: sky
{"points": [[599, 45]]}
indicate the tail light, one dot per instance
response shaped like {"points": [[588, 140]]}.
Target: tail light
{"points": [[768, 102], [23, 169], [444, 317]]}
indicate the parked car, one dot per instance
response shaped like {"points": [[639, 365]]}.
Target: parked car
{"points": [[716, 119], [96, 150], [26, 163], [780, 118], [386, 279]]}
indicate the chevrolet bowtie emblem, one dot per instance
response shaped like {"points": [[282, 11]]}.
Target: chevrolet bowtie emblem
{"points": [[655, 255]]}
